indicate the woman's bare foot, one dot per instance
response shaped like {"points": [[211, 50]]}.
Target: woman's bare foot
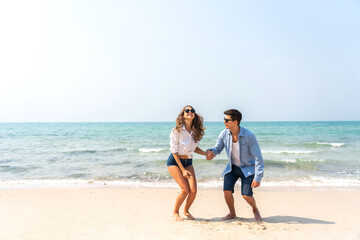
{"points": [[189, 216], [257, 216], [177, 217], [229, 216]]}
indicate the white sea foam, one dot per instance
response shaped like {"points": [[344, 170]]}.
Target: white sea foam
{"points": [[331, 144], [148, 150], [288, 151], [314, 181], [45, 183], [72, 183], [302, 182], [312, 160], [294, 160], [291, 160]]}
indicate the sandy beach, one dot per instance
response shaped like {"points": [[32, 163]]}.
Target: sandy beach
{"points": [[112, 213]]}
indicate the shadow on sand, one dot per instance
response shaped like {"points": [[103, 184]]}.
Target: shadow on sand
{"points": [[218, 219], [294, 220], [273, 219]]}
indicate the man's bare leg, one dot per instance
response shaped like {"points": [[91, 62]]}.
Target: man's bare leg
{"points": [[229, 199], [251, 201]]}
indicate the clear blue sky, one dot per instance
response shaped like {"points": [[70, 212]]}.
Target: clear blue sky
{"points": [[144, 60]]}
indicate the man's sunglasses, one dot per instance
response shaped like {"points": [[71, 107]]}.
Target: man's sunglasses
{"points": [[188, 110], [227, 120]]}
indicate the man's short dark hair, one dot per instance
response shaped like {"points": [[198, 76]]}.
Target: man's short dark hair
{"points": [[235, 115]]}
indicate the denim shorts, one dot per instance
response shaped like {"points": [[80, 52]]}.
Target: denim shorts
{"points": [[231, 178], [185, 162]]}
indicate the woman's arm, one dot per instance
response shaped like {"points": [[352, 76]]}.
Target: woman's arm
{"points": [[200, 151]]}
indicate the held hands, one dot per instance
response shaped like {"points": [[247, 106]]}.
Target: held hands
{"points": [[210, 155]]}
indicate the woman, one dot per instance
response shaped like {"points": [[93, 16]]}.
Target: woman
{"points": [[184, 140]]}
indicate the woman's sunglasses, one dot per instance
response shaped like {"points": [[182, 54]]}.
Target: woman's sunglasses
{"points": [[227, 120], [188, 110]]}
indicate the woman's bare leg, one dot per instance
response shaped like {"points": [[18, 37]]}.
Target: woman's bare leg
{"points": [[184, 187], [192, 193]]}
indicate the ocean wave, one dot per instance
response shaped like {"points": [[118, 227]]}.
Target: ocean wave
{"points": [[102, 150], [117, 150], [294, 160], [345, 173], [15, 169], [295, 164], [81, 183], [81, 151], [149, 150], [291, 160], [289, 151], [330, 144], [313, 181], [311, 160]]}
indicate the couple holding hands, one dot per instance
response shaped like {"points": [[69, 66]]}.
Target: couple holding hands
{"points": [[244, 159]]}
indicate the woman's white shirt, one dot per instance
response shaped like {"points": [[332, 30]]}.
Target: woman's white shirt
{"points": [[182, 142]]}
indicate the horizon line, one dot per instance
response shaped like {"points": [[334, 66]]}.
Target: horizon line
{"points": [[174, 121]]}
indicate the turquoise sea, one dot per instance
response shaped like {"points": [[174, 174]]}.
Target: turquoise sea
{"points": [[135, 154]]}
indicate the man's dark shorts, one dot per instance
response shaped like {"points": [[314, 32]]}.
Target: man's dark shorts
{"points": [[172, 162], [231, 178]]}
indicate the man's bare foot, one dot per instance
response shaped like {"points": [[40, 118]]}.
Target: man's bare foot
{"points": [[257, 216], [189, 216], [177, 217], [229, 216]]}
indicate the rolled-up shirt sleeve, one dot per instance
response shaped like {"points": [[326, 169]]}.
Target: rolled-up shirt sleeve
{"points": [[174, 141]]}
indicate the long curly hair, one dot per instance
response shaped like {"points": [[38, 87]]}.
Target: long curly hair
{"points": [[197, 124]]}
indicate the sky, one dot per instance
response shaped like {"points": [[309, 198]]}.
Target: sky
{"points": [[144, 60]]}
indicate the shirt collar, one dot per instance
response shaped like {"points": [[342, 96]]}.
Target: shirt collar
{"points": [[183, 128], [241, 133]]}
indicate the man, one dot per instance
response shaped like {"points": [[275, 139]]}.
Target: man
{"points": [[245, 161]]}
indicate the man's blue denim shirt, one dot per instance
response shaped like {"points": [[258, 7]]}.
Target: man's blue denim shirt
{"points": [[251, 160]]}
